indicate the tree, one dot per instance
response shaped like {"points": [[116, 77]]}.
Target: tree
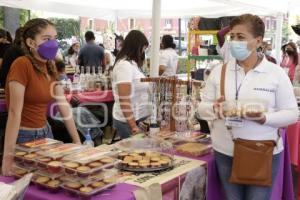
{"points": [[66, 28]]}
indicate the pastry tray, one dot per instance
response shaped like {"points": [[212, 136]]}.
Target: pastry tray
{"points": [[152, 169], [36, 145], [89, 194]]}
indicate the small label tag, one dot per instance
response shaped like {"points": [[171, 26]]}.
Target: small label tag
{"points": [[234, 122]]}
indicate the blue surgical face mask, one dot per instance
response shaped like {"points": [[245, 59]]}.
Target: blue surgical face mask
{"points": [[239, 50]]}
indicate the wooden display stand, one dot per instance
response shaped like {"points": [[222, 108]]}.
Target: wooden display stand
{"points": [[174, 81]]}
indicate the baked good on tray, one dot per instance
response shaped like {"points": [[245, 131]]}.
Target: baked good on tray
{"points": [[144, 159], [191, 148]]}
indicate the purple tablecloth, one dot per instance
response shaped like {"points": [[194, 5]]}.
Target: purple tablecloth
{"points": [[282, 189], [3, 105], [122, 191]]}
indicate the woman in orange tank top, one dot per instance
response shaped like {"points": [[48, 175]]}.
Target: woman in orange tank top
{"points": [[30, 87]]}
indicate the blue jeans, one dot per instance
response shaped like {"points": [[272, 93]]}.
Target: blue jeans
{"points": [[243, 192], [123, 128], [29, 135]]}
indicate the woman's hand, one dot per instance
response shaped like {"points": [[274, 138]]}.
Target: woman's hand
{"points": [[136, 130], [7, 164], [217, 107]]}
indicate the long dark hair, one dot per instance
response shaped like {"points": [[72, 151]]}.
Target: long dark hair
{"points": [[133, 47], [30, 30], [168, 42], [71, 50], [295, 55]]}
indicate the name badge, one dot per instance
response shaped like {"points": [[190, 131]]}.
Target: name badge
{"points": [[234, 122]]}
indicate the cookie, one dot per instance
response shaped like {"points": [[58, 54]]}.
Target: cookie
{"points": [[107, 160], [42, 179], [95, 164], [86, 189], [71, 165], [83, 168], [53, 183], [73, 185], [20, 153], [133, 164], [98, 184]]}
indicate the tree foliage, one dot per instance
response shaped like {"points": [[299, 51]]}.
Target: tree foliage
{"points": [[66, 28]]}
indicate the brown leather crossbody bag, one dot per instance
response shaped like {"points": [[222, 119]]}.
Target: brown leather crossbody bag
{"points": [[252, 159]]}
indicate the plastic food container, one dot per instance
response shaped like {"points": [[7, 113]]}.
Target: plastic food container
{"points": [[37, 145], [253, 108], [20, 171], [45, 180], [51, 159], [188, 136], [88, 162], [232, 109], [89, 189], [150, 144], [247, 108]]}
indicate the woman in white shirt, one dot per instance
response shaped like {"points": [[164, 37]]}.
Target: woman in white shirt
{"points": [[131, 95], [248, 76], [73, 54], [168, 58]]}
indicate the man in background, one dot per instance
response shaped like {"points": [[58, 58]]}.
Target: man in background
{"points": [[90, 54]]}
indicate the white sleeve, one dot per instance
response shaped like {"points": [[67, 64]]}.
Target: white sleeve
{"points": [[163, 59], [286, 105], [205, 108], [123, 72]]}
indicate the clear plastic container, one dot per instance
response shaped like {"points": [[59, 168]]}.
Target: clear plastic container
{"points": [[45, 180], [37, 145], [88, 162], [51, 159], [150, 144], [245, 108], [91, 188], [20, 171]]}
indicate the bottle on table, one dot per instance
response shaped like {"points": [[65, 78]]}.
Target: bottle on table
{"points": [[88, 139], [76, 77]]}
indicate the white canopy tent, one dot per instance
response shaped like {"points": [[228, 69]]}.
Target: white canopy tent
{"points": [[112, 9]]}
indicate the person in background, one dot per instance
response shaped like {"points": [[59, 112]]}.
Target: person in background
{"points": [[130, 94], [248, 76], [290, 60], [296, 81], [31, 85], [168, 58], [90, 54], [61, 70], [107, 59], [119, 40], [73, 54], [11, 54], [9, 37], [223, 46], [4, 43], [267, 51]]}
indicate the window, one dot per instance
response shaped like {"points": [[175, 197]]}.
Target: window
{"points": [[168, 23], [91, 24], [131, 23]]}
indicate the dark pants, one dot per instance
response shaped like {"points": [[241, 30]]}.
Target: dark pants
{"points": [[243, 192]]}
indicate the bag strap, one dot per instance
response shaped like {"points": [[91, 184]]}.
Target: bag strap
{"points": [[222, 80]]}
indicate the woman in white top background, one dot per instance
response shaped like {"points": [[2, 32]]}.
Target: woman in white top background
{"points": [[168, 58], [248, 76], [73, 54], [131, 95]]}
